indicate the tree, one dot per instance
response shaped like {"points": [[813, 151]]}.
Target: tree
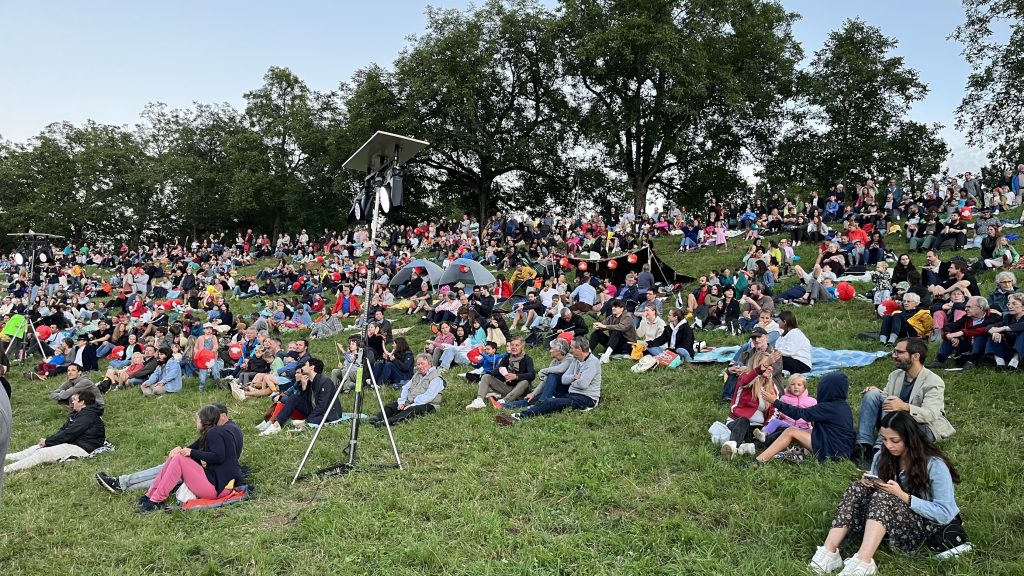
{"points": [[917, 151], [992, 109], [858, 93], [678, 94], [485, 89]]}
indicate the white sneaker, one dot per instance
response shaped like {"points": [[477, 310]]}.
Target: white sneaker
{"points": [[237, 392], [954, 552], [299, 423], [271, 430], [263, 425], [728, 450], [476, 404], [758, 435], [825, 562], [854, 567], [606, 357], [746, 449]]}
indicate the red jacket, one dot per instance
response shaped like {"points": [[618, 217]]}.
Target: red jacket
{"points": [[353, 305], [744, 403]]}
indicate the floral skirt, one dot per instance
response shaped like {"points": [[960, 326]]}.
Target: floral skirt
{"points": [[906, 529]]}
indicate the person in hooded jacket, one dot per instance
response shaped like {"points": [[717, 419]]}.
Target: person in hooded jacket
{"points": [[832, 436], [82, 433]]}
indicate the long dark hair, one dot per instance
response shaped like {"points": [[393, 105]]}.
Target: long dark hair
{"points": [[789, 318], [401, 346], [918, 452], [208, 416]]}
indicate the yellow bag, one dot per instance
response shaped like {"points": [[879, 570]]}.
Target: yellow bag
{"points": [[402, 305], [638, 350]]}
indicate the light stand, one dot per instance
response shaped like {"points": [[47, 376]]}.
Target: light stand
{"points": [[386, 149], [33, 239]]}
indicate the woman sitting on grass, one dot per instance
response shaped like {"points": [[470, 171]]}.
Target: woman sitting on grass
{"points": [[908, 497], [208, 467]]}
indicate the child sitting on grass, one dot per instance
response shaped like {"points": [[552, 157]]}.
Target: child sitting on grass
{"points": [[832, 436], [796, 395]]}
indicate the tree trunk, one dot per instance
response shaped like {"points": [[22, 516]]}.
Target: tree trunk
{"points": [[483, 198], [276, 229], [640, 199]]}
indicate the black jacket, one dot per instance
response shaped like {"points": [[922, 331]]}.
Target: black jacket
{"points": [[320, 393], [525, 372], [682, 337], [219, 457], [575, 323], [84, 429]]}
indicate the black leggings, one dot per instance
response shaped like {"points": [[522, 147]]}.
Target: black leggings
{"points": [[794, 366], [394, 415]]}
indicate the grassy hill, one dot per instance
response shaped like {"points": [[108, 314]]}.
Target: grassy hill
{"points": [[634, 487]]}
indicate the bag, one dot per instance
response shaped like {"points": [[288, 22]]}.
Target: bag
{"points": [[497, 336], [719, 433], [669, 359], [948, 537], [637, 351], [645, 364]]}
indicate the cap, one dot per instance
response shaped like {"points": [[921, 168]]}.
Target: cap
{"points": [[758, 331], [903, 286]]}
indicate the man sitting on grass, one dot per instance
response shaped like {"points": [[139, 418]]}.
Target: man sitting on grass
{"points": [[583, 377], [76, 382], [82, 433], [422, 394], [509, 381], [312, 400], [615, 333]]}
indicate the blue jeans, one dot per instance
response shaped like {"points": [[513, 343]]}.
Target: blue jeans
{"points": [[681, 351], [574, 401], [119, 364], [1009, 346], [553, 388], [104, 349], [215, 370], [747, 324], [387, 372]]}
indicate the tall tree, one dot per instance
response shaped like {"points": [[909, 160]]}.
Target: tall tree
{"points": [[992, 110], [859, 93], [488, 93], [679, 93]]}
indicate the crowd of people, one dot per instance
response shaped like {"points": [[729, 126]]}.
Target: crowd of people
{"points": [[162, 313]]}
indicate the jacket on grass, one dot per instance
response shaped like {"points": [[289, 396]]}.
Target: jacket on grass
{"points": [[833, 434]]}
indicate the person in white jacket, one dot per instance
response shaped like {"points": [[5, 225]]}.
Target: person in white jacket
{"points": [[794, 345]]}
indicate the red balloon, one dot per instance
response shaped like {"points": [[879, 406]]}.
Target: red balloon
{"points": [[302, 279], [612, 264], [420, 270], [319, 259], [362, 269], [43, 332], [565, 263], [204, 359], [464, 269], [116, 353], [582, 265], [336, 276], [631, 258], [296, 286], [235, 350], [845, 291]]}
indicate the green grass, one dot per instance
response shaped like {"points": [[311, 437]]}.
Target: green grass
{"points": [[633, 487]]}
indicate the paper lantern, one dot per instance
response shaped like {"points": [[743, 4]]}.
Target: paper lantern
{"points": [[235, 350], [116, 353], [44, 332], [464, 269], [966, 213], [204, 359], [612, 264], [845, 291], [582, 265], [631, 258], [296, 286], [565, 263]]}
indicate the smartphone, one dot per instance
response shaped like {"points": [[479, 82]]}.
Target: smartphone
{"points": [[872, 478]]}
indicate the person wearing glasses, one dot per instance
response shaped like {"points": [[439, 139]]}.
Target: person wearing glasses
{"points": [[910, 388], [1006, 284], [967, 336]]}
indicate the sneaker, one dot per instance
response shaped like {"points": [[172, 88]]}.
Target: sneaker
{"points": [[937, 365], [968, 366], [112, 485], [507, 419], [274, 428], [496, 403], [746, 449], [825, 562], [758, 435], [729, 450], [263, 425], [237, 392], [476, 404], [854, 567], [146, 505], [954, 552]]}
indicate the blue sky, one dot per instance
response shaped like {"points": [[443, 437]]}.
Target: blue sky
{"points": [[104, 60]]}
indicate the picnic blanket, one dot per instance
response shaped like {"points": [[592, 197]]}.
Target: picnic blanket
{"points": [[823, 360]]}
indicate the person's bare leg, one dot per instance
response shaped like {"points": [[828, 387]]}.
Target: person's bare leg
{"points": [[874, 532], [781, 443], [835, 538]]}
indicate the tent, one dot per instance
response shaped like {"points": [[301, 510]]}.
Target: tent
{"points": [[469, 272], [433, 271], [616, 273]]}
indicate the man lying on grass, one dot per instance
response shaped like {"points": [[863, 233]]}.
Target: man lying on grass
{"points": [[82, 433]]}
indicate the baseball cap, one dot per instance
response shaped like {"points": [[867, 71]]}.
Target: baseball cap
{"points": [[758, 331]]}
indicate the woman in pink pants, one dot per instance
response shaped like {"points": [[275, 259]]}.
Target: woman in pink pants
{"points": [[208, 467]]}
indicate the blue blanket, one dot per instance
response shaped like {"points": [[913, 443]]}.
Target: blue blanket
{"points": [[823, 360]]}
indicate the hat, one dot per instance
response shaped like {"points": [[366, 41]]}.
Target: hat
{"points": [[82, 337], [758, 331], [903, 286]]}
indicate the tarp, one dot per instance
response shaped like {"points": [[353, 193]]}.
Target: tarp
{"points": [[663, 273], [434, 273], [469, 272]]}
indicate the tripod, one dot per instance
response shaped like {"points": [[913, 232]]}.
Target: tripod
{"points": [[30, 324]]}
